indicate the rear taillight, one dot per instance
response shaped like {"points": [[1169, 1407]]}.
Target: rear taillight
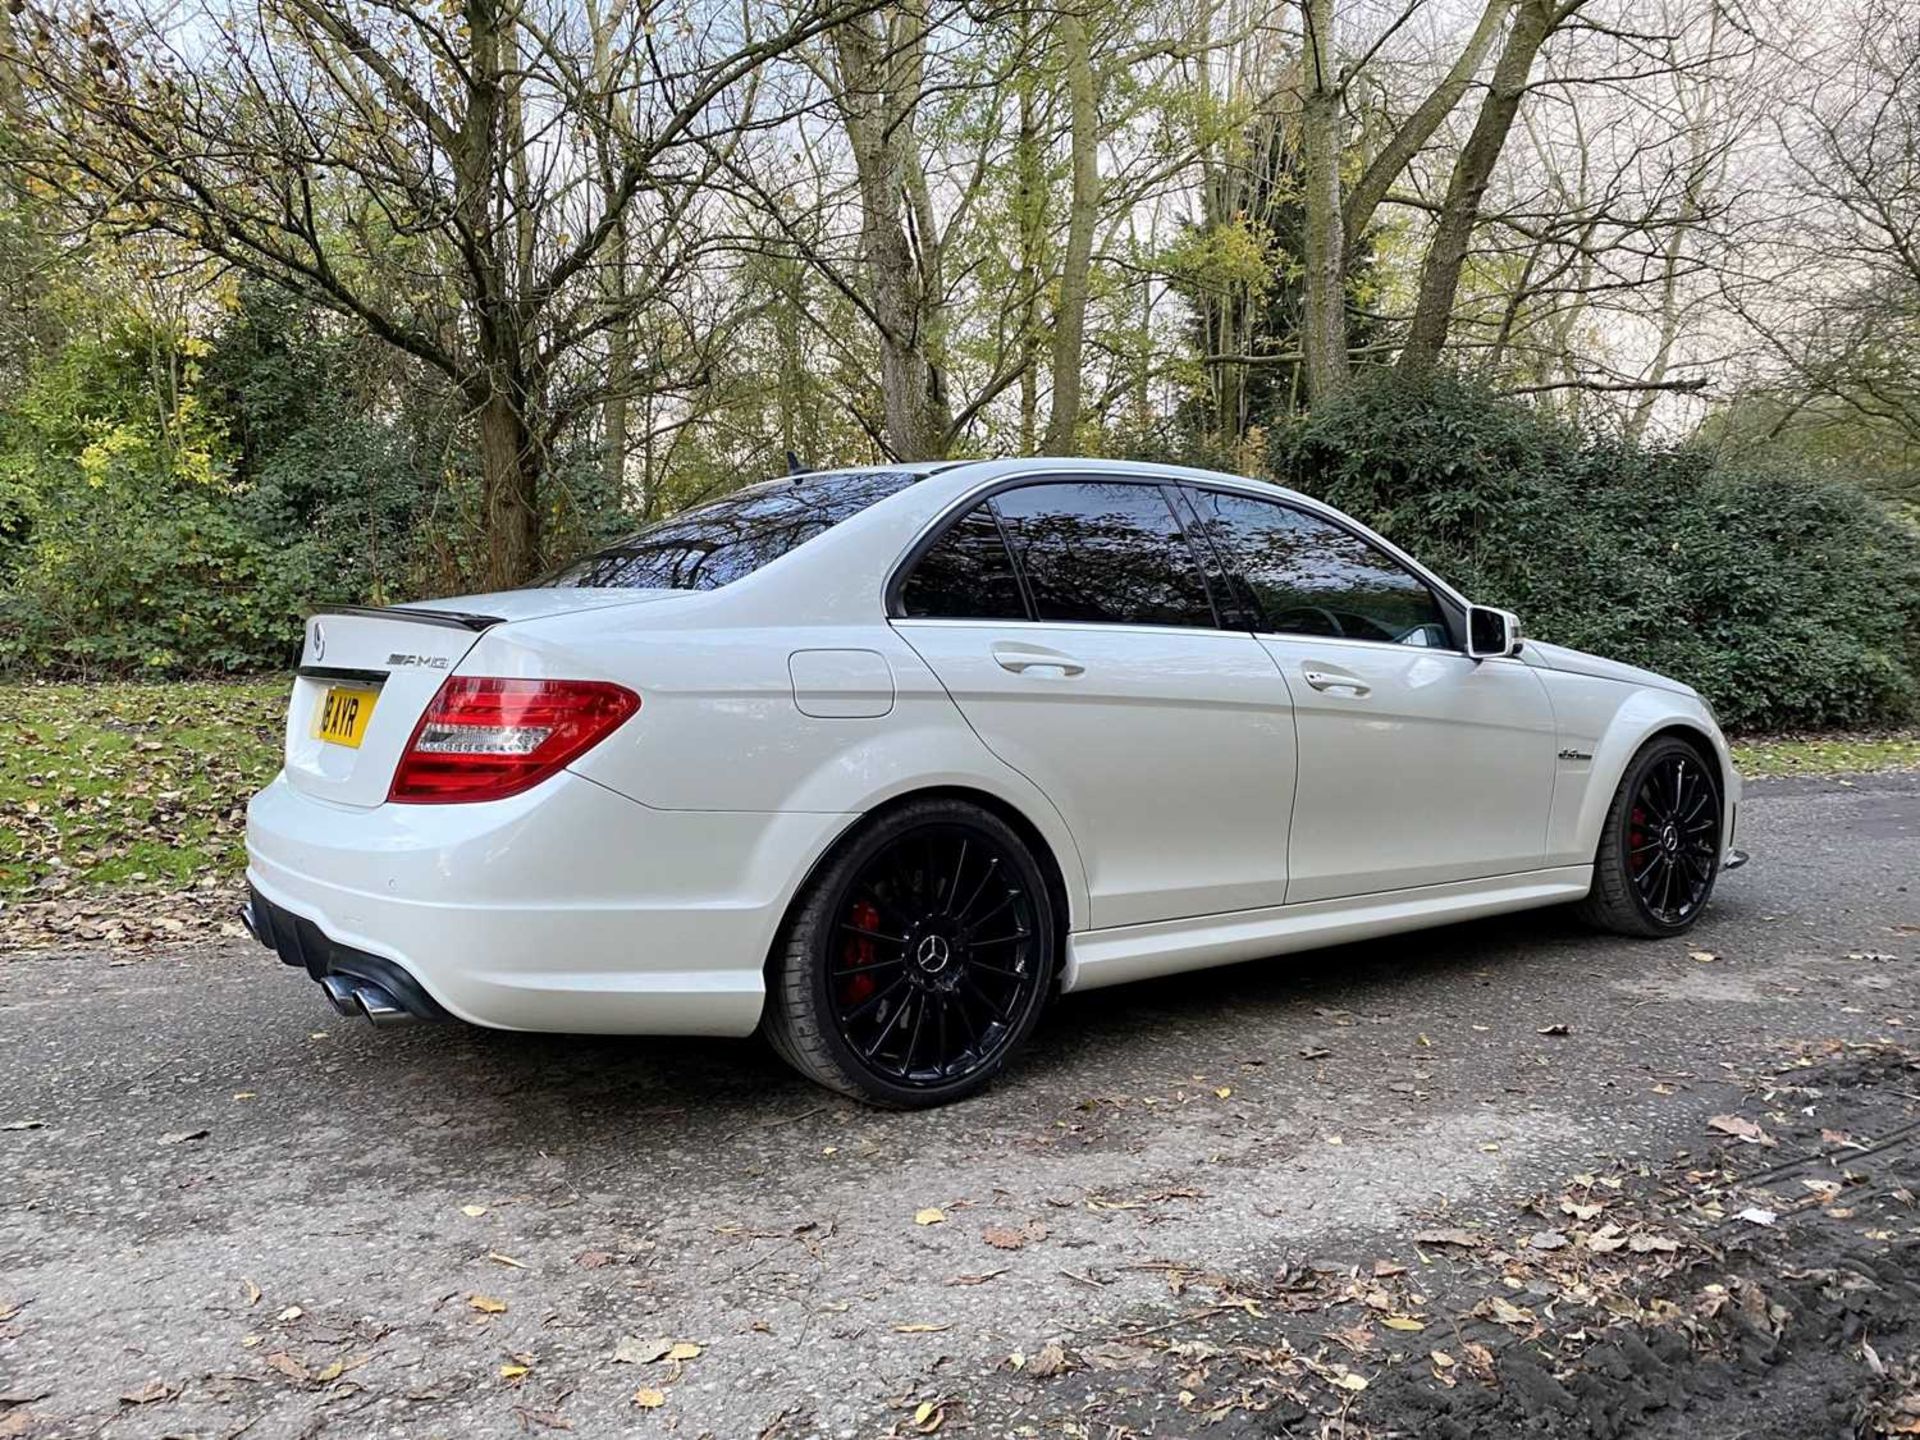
{"points": [[484, 739]]}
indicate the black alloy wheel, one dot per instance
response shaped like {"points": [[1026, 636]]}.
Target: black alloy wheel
{"points": [[919, 960], [1672, 837], [1660, 849]]}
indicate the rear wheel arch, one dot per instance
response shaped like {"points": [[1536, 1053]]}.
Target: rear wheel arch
{"points": [[1030, 834]]}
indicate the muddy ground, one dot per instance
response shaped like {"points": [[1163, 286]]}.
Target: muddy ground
{"points": [[1506, 1178]]}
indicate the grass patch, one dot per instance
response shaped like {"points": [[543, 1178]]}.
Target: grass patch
{"points": [[106, 785], [1767, 756]]}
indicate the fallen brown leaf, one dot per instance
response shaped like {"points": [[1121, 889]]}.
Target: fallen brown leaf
{"points": [[1507, 1313], [1741, 1128], [289, 1366], [1051, 1359], [1465, 1239], [976, 1279], [634, 1351]]}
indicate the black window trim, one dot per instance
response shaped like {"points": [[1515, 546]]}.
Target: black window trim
{"points": [[948, 519], [1452, 614]]}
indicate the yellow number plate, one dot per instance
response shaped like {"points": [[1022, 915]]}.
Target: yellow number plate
{"points": [[343, 715]]}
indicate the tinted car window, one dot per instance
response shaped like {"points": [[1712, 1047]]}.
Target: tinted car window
{"points": [[1103, 552], [710, 545], [1312, 577], [967, 575]]}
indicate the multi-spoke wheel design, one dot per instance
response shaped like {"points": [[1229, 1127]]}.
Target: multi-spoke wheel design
{"points": [[1660, 850], [1673, 829], [936, 957], [919, 959]]}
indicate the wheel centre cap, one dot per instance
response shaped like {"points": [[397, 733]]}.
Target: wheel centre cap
{"points": [[933, 954], [1670, 838]]}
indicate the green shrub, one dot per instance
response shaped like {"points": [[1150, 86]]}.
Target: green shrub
{"points": [[130, 557], [171, 505], [1789, 602]]}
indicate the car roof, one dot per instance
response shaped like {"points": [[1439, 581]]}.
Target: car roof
{"points": [[966, 471]]}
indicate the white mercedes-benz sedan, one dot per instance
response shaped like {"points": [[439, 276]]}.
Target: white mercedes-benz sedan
{"points": [[877, 761]]}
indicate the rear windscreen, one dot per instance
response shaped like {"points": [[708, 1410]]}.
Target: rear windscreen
{"points": [[712, 544]]}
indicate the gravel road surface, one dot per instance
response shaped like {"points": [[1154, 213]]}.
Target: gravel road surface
{"points": [[226, 1211]]}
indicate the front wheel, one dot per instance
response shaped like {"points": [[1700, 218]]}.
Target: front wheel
{"points": [[1660, 847], [917, 961]]}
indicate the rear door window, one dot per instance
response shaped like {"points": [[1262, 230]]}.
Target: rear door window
{"points": [[1309, 576], [1109, 552]]}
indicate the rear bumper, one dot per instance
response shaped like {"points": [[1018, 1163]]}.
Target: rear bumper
{"points": [[569, 908]]}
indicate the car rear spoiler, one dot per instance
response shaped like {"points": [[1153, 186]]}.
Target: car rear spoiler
{"points": [[418, 614]]}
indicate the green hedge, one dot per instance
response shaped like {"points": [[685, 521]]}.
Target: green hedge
{"points": [[1790, 602]]}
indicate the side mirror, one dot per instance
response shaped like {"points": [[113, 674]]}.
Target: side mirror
{"points": [[1491, 632]]}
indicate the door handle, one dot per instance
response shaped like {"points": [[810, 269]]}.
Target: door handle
{"points": [[1021, 659], [1331, 680]]}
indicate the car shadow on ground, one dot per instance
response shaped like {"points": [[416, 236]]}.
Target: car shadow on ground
{"points": [[693, 1097]]}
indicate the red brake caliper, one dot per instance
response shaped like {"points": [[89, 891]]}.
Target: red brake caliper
{"points": [[857, 954], [1636, 837]]}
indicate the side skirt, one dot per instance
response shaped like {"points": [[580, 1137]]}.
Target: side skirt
{"points": [[1166, 947]]}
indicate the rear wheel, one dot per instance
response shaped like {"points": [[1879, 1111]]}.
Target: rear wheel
{"points": [[918, 960], [1660, 848]]}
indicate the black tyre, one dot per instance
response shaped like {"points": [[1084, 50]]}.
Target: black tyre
{"points": [[1660, 847], [917, 960]]}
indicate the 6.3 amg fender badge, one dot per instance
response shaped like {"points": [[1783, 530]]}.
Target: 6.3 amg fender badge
{"points": [[1571, 754]]}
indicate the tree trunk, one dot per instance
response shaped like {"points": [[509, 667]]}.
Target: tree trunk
{"points": [[510, 479], [1324, 330], [789, 316], [1030, 205], [509, 466], [1405, 142], [12, 111], [614, 410], [1533, 21], [1083, 206], [1695, 108], [880, 81]]}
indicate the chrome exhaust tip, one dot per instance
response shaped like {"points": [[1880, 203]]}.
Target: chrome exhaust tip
{"points": [[362, 999], [379, 1006], [339, 992], [250, 924]]}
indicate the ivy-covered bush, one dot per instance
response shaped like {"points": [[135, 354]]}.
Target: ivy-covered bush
{"points": [[1789, 602], [128, 554], [173, 505]]}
